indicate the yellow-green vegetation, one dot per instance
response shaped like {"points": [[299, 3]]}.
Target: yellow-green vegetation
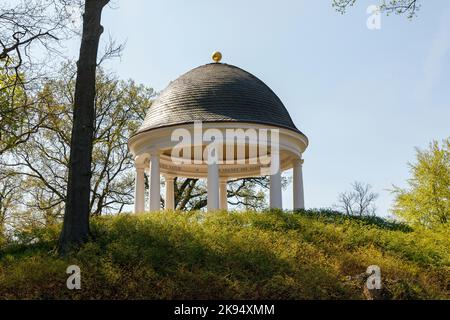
{"points": [[276, 255], [426, 200]]}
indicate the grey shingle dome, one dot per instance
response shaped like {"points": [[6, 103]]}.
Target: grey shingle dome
{"points": [[217, 92]]}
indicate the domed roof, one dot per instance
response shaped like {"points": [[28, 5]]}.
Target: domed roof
{"points": [[217, 92]]}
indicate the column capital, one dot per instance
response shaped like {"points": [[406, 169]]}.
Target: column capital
{"points": [[169, 177], [140, 167], [155, 152], [299, 161]]}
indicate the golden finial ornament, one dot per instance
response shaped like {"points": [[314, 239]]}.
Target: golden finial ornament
{"points": [[217, 56]]}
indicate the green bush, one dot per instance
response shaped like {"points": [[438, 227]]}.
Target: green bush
{"points": [[269, 255]]}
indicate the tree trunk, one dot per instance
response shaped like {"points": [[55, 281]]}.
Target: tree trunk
{"points": [[75, 229]]}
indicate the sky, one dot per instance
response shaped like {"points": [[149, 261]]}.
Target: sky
{"points": [[365, 98]]}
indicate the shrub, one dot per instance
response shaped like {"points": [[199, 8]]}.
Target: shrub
{"points": [[269, 255]]}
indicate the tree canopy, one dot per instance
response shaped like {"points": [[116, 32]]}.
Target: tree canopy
{"points": [[426, 200], [402, 7]]}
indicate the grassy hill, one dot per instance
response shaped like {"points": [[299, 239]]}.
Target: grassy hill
{"points": [[277, 255]]}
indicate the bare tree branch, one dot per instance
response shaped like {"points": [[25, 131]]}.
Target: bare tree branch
{"points": [[360, 201]]}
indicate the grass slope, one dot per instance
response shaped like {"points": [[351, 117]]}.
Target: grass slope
{"points": [[272, 255]]}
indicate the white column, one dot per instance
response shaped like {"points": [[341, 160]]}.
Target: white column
{"points": [[149, 189], [213, 186], [170, 199], [299, 198], [276, 199], [155, 183], [139, 190], [223, 194]]}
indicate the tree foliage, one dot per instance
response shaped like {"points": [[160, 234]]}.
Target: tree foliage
{"points": [[31, 34], [426, 200], [29, 26], [9, 199], [14, 122], [44, 159], [406, 7]]}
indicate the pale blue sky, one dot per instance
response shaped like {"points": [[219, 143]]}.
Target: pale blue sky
{"points": [[364, 98]]}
